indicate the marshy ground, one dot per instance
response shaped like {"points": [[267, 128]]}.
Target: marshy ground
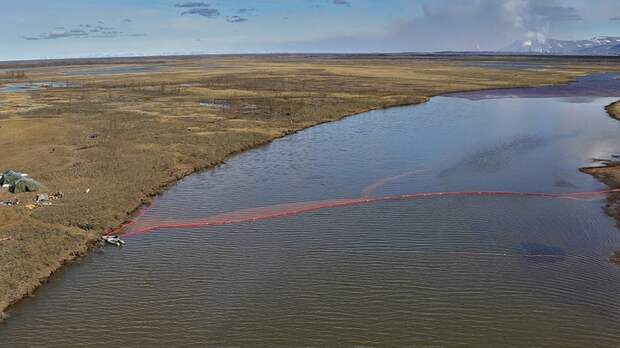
{"points": [[124, 129]]}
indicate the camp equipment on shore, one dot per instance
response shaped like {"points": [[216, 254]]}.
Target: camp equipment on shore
{"points": [[24, 185], [47, 198], [42, 198], [56, 195], [114, 240], [9, 202], [10, 177], [18, 182]]}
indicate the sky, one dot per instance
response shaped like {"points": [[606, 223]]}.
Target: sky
{"points": [[37, 29]]}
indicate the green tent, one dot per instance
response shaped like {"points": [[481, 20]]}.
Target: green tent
{"points": [[10, 177], [25, 185]]}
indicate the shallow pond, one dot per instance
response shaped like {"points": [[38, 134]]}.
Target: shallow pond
{"points": [[585, 88], [215, 104], [461, 270], [506, 65], [110, 71], [31, 86]]}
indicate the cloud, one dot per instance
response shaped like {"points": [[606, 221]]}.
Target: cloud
{"points": [[245, 10], [341, 2], [492, 24], [58, 34], [192, 4], [107, 34], [538, 21], [82, 31], [127, 20], [557, 13], [458, 25], [235, 19], [205, 12], [617, 18], [198, 8]]}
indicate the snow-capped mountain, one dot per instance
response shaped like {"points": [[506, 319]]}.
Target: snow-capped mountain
{"points": [[600, 45]]}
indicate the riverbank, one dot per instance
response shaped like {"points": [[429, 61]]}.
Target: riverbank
{"points": [[610, 176], [115, 141], [613, 110]]}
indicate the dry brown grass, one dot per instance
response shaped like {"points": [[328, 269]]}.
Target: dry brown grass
{"points": [[125, 137], [613, 110]]}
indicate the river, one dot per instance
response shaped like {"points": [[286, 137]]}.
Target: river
{"points": [[440, 271]]}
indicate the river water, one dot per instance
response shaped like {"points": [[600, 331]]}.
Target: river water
{"points": [[429, 272]]}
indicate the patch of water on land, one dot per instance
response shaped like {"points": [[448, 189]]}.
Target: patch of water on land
{"points": [[31, 86], [595, 85], [215, 104], [111, 71], [506, 65]]}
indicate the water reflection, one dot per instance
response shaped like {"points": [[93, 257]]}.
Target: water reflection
{"points": [[506, 65], [595, 85], [32, 86], [110, 71]]}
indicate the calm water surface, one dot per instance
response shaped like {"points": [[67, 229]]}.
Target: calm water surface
{"points": [[110, 71], [438, 272], [510, 65], [31, 86]]}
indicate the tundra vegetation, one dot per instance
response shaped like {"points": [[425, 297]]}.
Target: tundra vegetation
{"points": [[111, 142], [15, 74], [614, 110]]}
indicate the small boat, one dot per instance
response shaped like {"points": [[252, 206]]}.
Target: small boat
{"points": [[114, 240]]}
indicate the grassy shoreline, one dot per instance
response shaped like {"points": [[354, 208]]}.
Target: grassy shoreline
{"points": [[609, 174], [613, 110], [82, 248], [115, 142]]}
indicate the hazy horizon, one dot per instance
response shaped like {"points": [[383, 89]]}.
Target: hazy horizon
{"points": [[81, 29]]}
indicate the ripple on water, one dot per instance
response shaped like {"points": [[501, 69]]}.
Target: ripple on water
{"points": [[539, 252], [441, 271]]}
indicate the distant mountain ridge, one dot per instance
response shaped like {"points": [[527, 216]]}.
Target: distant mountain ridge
{"points": [[597, 46]]}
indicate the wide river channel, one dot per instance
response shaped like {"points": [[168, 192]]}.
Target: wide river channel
{"points": [[436, 271]]}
